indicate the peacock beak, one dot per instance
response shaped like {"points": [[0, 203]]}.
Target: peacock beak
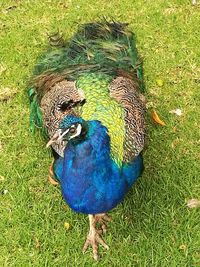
{"points": [[57, 137]]}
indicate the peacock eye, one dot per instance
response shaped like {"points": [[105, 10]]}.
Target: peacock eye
{"points": [[72, 130]]}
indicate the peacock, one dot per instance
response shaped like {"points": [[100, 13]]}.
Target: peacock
{"points": [[86, 96]]}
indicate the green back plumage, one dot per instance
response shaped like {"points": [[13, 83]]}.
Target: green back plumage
{"points": [[100, 106]]}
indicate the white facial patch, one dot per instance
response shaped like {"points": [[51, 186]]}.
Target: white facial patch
{"points": [[78, 131], [61, 136]]}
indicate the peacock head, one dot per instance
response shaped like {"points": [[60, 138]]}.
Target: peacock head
{"points": [[70, 128]]}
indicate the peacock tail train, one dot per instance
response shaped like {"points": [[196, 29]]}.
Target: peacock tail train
{"points": [[96, 75]]}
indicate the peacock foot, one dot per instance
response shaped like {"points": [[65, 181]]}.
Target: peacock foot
{"points": [[51, 176], [103, 219], [94, 238]]}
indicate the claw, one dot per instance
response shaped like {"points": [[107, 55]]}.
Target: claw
{"points": [[102, 219], [94, 238]]}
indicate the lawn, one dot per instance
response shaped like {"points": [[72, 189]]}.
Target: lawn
{"points": [[153, 227]]}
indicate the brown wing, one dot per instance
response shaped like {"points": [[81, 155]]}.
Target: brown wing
{"points": [[126, 91], [61, 99]]}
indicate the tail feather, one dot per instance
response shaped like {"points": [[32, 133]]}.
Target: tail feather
{"points": [[36, 120], [106, 44]]}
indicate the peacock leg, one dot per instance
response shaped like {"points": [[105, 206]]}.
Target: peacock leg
{"points": [[94, 238], [102, 219], [51, 175]]}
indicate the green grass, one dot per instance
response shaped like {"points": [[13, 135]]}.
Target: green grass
{"points": [[152, 227]]}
